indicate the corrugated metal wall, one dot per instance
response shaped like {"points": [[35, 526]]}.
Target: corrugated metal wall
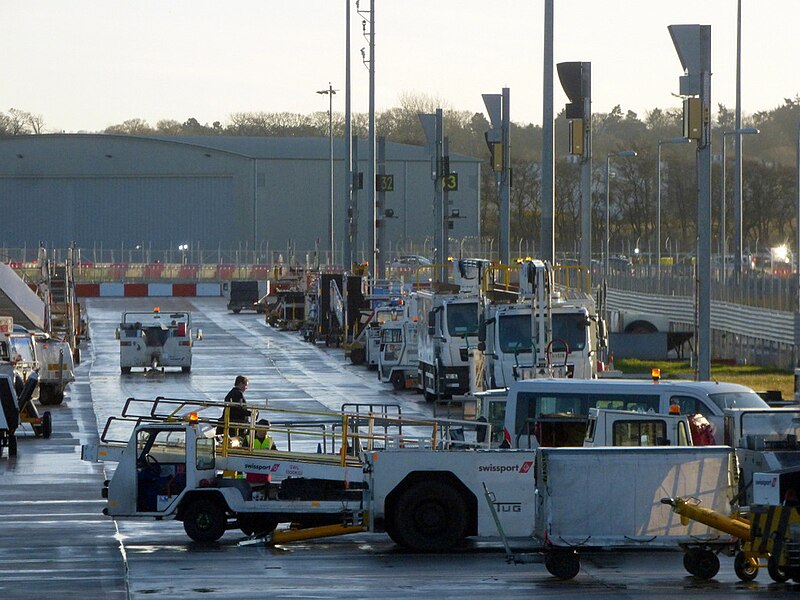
{"points": [[119, 211]]}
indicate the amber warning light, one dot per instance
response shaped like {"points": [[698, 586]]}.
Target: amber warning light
{"points": [[655, 374]]}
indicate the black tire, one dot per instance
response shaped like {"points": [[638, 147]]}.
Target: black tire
{"points": [[236, 311], [430, 516], [49, 396], [186, 369], [701, 563], [47, 425], [76, 356], [125, 370], [429, 397], [358, 356], [204, 520], [12, 445], [775, 572], [564, 564], [256, 524], [398, 381], [745, 569]]}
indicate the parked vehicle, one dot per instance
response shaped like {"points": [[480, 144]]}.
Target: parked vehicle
{"points": [[245, 295], [155, 340]]}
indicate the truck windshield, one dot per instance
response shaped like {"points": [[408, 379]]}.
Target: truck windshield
{"points": [[462, 319], [779, 429], [738, 400], [571, 328], [514, 333]]}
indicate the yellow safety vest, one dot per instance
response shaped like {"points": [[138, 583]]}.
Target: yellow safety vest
{"points": [[265, 444]]}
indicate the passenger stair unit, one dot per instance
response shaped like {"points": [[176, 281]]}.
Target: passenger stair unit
{"points": [[57, 289]]}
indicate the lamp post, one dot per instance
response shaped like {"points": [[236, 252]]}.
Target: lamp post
{"points": [[658, 205], [330, 92], [606, 256], [722, 227]]}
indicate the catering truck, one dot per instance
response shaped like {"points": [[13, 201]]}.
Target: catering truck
{"points": [[540, 331], [155, 340]]}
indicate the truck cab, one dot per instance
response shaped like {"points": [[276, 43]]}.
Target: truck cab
{"points": [[449, 328], [153, 340]]}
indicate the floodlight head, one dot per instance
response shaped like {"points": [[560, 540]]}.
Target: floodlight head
{"points": [[494, 108], [693, 45], [623, 154]]}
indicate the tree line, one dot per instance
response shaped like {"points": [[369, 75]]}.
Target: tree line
{"points": [[769, 189]]}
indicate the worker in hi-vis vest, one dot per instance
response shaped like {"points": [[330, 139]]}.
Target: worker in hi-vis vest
{"points": [[262, 441]]}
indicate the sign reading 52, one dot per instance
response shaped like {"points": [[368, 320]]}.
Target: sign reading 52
{"points": [[450, 182]]}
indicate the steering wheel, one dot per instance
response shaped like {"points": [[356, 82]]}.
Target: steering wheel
{"points": [[549, 349], [152, 464]]}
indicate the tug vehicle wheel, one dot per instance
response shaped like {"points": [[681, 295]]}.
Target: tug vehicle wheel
{"points": [[204, 520], [430, 516]]}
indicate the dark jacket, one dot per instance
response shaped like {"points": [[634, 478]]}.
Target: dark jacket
{"points": [[238, 414]]}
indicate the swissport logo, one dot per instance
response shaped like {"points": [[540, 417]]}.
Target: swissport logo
{"points": [[521, 469]]}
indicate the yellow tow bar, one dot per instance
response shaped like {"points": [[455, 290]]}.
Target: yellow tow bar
{"points": [[286, 536], [310, 533], [691, 510]]}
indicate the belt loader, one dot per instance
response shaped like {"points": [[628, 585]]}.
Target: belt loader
{"points": [[407, 482]]}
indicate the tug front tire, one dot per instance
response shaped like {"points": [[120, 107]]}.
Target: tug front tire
{"points": [[204, 520]]}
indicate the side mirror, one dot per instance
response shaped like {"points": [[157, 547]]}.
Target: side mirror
{"points": [[481, 331], [432, 323], [116, 333]]}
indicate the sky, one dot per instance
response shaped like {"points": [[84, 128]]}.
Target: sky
{"points": [[86, 64]]}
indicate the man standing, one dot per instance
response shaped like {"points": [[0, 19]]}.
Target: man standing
{"points": [[237, 411]]}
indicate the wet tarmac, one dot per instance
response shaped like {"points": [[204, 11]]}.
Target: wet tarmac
{"points": [[55, 541]]}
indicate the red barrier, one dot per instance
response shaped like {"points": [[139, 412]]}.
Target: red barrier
{"points": [[87, 290], [137, 290], [184, 289]]}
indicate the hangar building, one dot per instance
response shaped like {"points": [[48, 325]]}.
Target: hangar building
{"points": [[210, 192]]}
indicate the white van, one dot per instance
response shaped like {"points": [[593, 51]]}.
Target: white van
{"points": [[554, 412], [154, 340]]}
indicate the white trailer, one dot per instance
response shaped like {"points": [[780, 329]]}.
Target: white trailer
{"points": [[153, 340], [611, 498]]}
